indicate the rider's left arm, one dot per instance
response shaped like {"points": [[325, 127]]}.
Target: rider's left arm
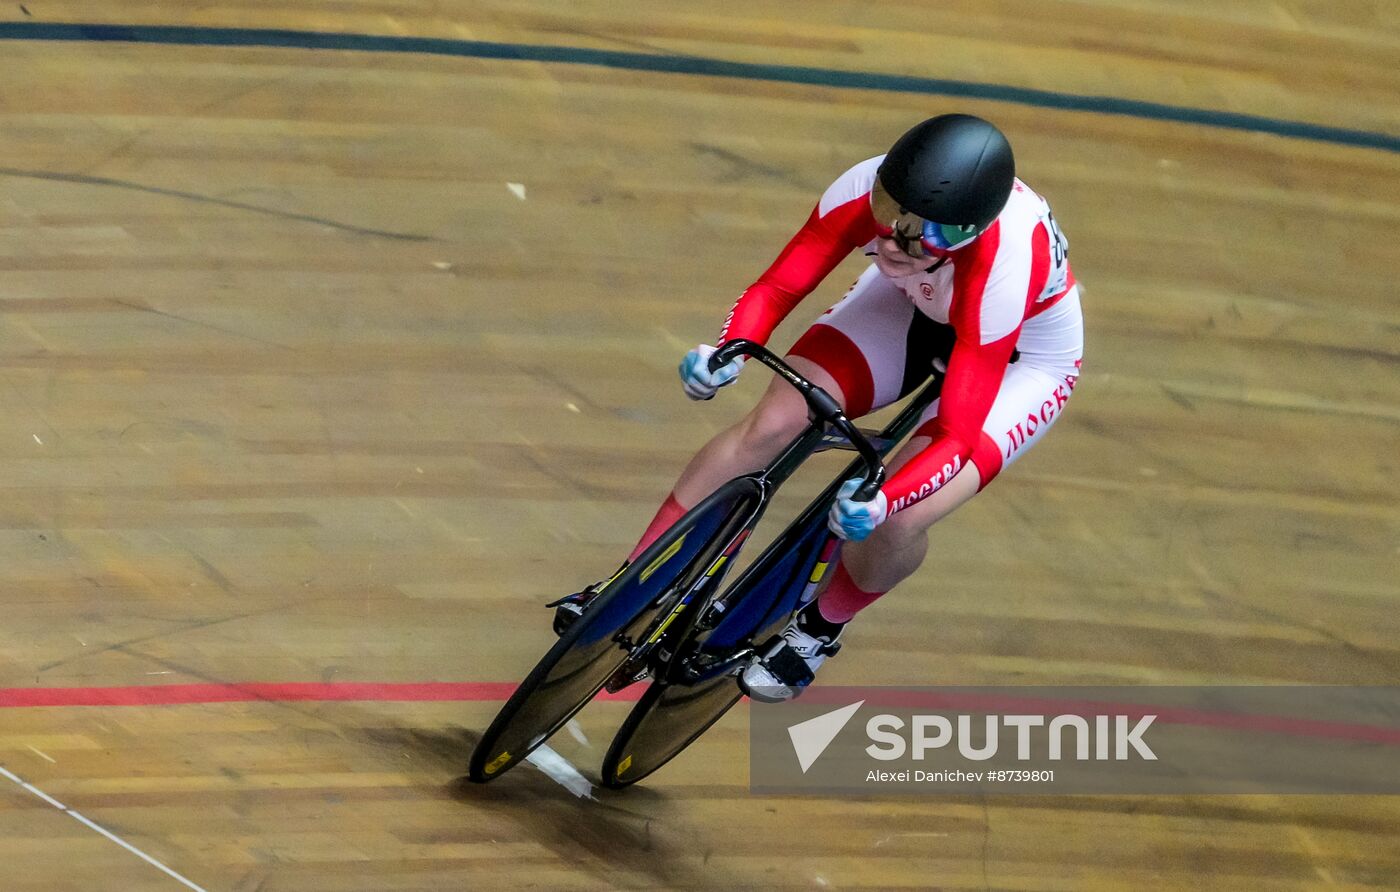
{"points": [[991, 296]]}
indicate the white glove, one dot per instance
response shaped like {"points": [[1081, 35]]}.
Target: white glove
{"points": [[854, 520], [696, 378]]}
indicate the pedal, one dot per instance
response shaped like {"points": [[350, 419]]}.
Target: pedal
{"points": [[568, 610]]}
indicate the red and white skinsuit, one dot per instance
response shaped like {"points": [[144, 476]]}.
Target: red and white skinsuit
{"points": [[1010, 289]]}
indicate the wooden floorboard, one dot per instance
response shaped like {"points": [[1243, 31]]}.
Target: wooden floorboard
{"points": [[327, 366]]}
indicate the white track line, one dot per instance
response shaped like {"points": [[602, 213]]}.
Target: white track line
{"points": [[99, 828], [135, 851], [561, 771], [576, 731]]}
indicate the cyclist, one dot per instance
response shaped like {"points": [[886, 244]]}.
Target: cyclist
{"points": [[970, 275]]}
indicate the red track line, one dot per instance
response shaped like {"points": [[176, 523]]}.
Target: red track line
{"points": [[175, 694]]}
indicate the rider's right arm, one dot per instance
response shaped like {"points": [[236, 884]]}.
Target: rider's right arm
{"points": [[840, 223]]}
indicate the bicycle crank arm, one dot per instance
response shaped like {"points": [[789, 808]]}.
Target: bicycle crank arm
{"points": [[730, 665]]}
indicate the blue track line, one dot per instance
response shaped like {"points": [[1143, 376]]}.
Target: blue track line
{"points": [[695, 65]]}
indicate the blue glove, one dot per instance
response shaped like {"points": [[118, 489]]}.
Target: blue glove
{"points": [[697, 380], [854, 520]]}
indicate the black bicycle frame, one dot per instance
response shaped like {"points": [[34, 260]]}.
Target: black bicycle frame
{"points": [[871, 446]]}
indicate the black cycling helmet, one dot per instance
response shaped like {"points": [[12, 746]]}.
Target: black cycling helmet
{"points": [[954, 170]]}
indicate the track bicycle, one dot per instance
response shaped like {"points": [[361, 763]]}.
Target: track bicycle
{"points": [[663, 617]]}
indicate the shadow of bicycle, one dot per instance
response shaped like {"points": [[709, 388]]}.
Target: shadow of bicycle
{"points": [[603, 834]]}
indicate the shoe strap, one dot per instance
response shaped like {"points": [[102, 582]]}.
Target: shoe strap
{"points": [[825, 648], [789, 667]]}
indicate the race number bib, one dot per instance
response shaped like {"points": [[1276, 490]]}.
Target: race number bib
{"points": [[1058, 279]]}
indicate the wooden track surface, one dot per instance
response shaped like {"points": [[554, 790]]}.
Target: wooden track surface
{"points": [[297, 389]]}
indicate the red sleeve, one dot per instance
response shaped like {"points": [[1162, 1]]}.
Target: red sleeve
{"points": [[974, 376], [969, 389], [819, 246]]}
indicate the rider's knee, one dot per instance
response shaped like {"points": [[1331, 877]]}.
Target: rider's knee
{"points": [[900, 532], [773, 424], [888, 556]]}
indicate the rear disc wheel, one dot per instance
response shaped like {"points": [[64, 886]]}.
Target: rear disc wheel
{"points": [[666, 720]]}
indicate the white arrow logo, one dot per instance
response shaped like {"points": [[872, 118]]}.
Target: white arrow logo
{"points": [[811, 738]]}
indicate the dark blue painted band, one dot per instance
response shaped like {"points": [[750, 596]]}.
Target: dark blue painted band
{"points": [[790, 74]]}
